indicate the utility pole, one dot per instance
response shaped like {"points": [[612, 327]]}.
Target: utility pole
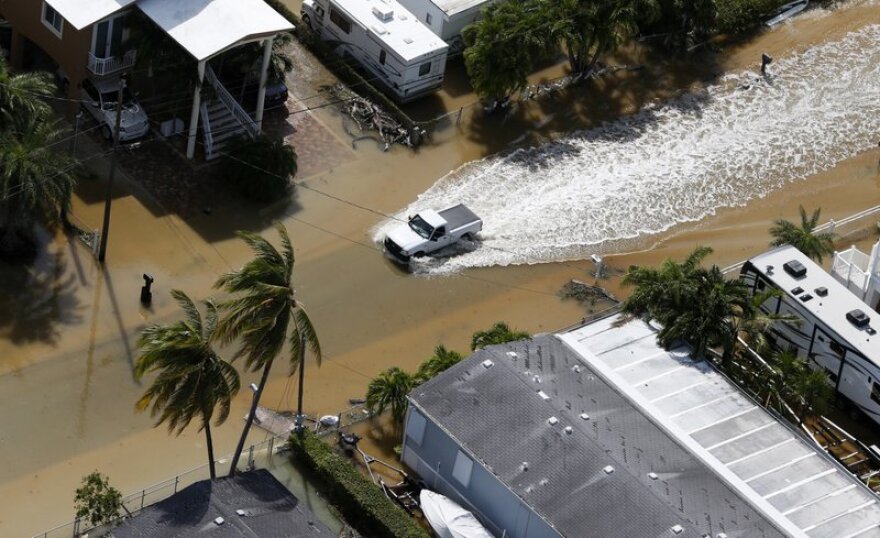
{"points": [[298, 427], [105, 229]]}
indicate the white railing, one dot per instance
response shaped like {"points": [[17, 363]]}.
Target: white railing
{"points": [[206, 131], [105, 66], [240, 114], [850, 267]]}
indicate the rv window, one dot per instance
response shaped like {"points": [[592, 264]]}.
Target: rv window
{"points": [[761, 285], [382, 56], [875, 392], [52, 19], [424, 69], [836, 348], [340, 20], [428, 19]]}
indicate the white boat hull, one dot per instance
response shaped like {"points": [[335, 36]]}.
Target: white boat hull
{"points": [[448, 519]]}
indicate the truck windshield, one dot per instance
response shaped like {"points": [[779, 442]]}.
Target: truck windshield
{"points": [[421, 227]]}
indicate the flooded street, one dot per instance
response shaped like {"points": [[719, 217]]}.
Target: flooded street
{"points": [[68, 329]]}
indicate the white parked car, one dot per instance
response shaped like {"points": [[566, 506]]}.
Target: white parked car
{"points": [[99, 98]]}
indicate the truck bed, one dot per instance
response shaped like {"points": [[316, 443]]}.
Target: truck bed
{"points": [[458, 216]]}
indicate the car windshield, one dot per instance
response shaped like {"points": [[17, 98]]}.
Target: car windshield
{"points": [[421, 227], [109, 99]]}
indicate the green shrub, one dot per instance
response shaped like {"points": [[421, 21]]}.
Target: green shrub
{"points": [[362, 503], [260, 168], [737, 16]]}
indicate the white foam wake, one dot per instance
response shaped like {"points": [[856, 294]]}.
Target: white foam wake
{"points": [[674, 163]]}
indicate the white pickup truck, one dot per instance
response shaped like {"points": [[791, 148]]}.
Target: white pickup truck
{"points": [[432, 230]]}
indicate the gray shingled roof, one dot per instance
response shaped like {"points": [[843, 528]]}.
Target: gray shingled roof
{"points": [[498, 416], [271, 511]]}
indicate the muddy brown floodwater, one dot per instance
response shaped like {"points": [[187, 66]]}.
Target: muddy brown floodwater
{"points": [[68, 328]]}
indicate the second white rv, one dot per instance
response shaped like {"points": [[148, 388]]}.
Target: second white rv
{"points": [[398, 51], [447, 18]]}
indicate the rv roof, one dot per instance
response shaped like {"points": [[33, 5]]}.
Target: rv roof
{"points": [[402, 33], [832, 308], [452, 7]]}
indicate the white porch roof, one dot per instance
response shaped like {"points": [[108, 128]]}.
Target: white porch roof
{"points": [[82, 13], [208, 27]]}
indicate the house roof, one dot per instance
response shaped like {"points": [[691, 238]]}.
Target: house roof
{"points": [[831, 309], [269, 510], [205, 28], [501, 414], [82, 13]]}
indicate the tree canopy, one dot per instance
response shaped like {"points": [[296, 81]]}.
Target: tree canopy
{"points": [[806, 238]]}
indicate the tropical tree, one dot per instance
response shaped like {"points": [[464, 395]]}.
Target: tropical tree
{"points": [[36, 183], [265, 316], [260, 168], [193, 381], [96, 500], [502, 47], [681, 23], [441, 360], [390, 389], [816, 245], [749, 327], [22, 95], [500, 333]]}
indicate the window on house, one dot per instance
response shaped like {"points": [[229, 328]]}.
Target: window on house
{"points": [[415, 430], [428, 19], [424, 69], [340, 20], [382, 56], [53, 19], [875, 392], [462, 469]]}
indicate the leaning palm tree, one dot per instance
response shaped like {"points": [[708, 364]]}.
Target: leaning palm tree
{"points": [[442, 359], [500, 333], [193, 380], [390, 389], [36, 183], [22, 95], [816, 245], [265, 316]]}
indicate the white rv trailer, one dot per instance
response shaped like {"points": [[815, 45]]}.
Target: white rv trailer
{"points": [[395, 49], [838, 332], [447, 18]]}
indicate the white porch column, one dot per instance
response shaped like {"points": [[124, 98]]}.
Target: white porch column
{"points": [[194, 115], [264, 73]]}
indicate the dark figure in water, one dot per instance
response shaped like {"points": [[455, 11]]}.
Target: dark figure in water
{"points": [[765, 61]]}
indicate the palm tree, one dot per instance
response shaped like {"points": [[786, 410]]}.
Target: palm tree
{"points": [[816, 245], [390, 389], [500, 333], [440, 361], [749, 326], [36, 183], [22, 95], [266, 316], [193, 380]]}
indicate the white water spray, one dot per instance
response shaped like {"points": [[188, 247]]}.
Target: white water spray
{"points": [[675, 163]]}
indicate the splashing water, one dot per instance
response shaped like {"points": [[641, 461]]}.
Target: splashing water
{"points": [[670, 164]]}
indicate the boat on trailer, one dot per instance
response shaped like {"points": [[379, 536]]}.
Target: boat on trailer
{"points": [[787, 11]]}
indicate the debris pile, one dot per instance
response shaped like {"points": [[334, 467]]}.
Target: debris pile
{"points": [[368, 116]]}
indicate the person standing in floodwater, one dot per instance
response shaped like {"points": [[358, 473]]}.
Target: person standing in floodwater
{"points": [[766, 60]]}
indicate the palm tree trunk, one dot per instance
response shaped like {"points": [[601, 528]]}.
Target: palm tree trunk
{"points": [[250, 418], [210, 450]]}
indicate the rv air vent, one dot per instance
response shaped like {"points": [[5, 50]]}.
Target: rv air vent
{"points": [[795, 268], [487, 363], [806, 297], [384, 13], [677, 529], [821, 292], [585, 416], [543, 395], [408, 40], [653, 476], [379, 29], [219, 521], [608, 469], [553, 421], [797, 291], [569, 430], [858, 318]]}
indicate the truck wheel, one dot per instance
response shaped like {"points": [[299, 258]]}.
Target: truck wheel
{"points": [[307, 21], [419, 255], [468, 236]]}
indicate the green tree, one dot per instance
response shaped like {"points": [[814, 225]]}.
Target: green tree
{"points": [[193, 380], [816, 245], [748, 327], [441, 360], [681, 23], [260, 168], [36, 182], [501, 48], [264, 315], [500, 333], [22, 95], [96, 500], [390, 389]]}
